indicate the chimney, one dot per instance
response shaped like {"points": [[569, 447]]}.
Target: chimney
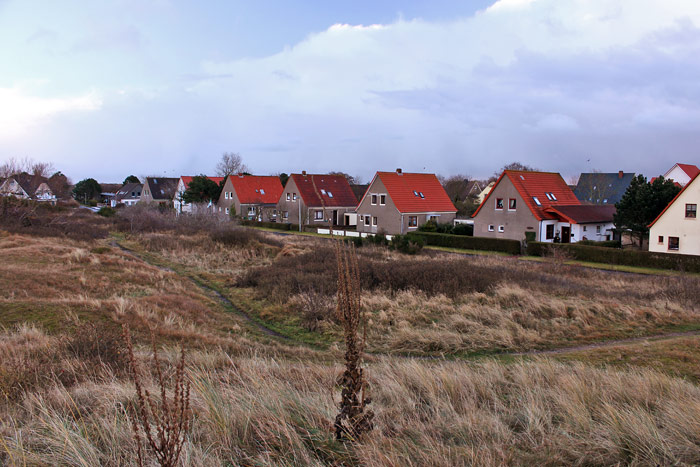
{"points": [[399, 171], [620, 174], [303, 172]]}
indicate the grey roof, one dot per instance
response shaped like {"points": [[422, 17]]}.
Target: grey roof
{"points": [[602, 188], [162, 188], [129, 191]]}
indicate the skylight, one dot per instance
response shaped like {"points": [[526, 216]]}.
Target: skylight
{"points": [[421, 194], [554, 198], [262, 192], [415, 193], [548, 196], [323, 192], [330, 195], [537, 201], [522, 178]]}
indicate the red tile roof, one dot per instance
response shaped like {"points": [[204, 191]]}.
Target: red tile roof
{"points": [[405, 191], [697, 175], [533, 185], [689, 169], [583, 213], [257, 189], [334, 189], [187, 180]]}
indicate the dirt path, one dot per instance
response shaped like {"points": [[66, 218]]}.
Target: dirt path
{"points": [[224, 300], [604, 344]]}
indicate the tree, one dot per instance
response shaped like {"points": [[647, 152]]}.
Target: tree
{"points": [[86, 190], [456, 187], [41, 169], [283, 178], [594, 187], [230, 163], [352, 180], [202, 190], [513, 166], [60, 185], [642, 203], [131, 179]]}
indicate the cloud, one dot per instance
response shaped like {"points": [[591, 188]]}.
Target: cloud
{"points": [[20, 112]]}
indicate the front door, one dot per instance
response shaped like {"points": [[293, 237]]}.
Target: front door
{"points": [[335, 217], [566, 234]]}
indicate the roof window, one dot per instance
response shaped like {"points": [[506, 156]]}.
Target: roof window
{"points": [[262, 192], [522, 178], [537, 201], [323, 192], [421, 194], [330, 195], [415, 193], [554, 198]]}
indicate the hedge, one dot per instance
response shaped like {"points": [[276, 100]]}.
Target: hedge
{"points": [[469, 243], [597, 254]]}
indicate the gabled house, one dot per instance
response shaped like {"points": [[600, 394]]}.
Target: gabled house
{"points": [[26, 186], [182, 185], [681, 173], [602, 188], [128, 194], [539, 205], [398, 203], [159, 190], [316, 199], [676, 229], [485, 192], [252, 197]]}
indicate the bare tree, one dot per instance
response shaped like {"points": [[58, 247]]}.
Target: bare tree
{"points": [[513, 166], [456, 186], [230, 163], [42, 169], [14, 166], [595, 188]]}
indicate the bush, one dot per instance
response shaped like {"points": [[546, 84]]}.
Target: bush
{"points": [[407, 245], [598, 254], [469, 243], [377, 239], [239, 237], [606, 243], [463, 229], [106, 212]]}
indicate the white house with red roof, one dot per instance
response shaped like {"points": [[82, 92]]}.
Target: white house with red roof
{"points": [[251, 197], [398, 203], [182, 185], [681, 173], [677, 228], [541, 206]]}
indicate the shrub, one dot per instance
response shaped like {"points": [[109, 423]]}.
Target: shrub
{"points": [[106, 212], [607, 243], [463, 229], [406, 244], [377, 239], [469, 243], [597, 254]]}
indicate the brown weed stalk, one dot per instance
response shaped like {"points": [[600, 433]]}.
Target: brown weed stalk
{"points": [[353, 420], [171, 419]]}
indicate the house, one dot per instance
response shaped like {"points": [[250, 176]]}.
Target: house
{"points": [[484, 192], [159, 190], [602, 188], [681, 173], [541, 206], [182, 185], [398, 202], [676, 229], [252, 197], [316, 199], [26, 186], [128, 195]]}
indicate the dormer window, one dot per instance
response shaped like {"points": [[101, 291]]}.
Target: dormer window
{"points": [[537, 201]]}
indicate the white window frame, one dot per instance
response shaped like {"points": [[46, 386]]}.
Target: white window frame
{"points": [[368, 219], [515, 202], [501, 229], [491, 228], [289, 196], [316, 215], [415, 225]]}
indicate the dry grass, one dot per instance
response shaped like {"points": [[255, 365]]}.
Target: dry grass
{"points": [[256, 411]]}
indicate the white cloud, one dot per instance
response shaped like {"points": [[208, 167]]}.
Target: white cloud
{"points": [[19, 112]]}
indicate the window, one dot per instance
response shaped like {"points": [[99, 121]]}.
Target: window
{"points": [[382, 200], [323, 192], [499, 203], [548, 197], [691, 211], [673, 243], [420, 193], [374, 199], [415, 193], [584, 228], [226, 210], [491, 228], [549, 232], [413, 221], [262, 192], [330, 195], [294, 196], [537, 201], [285, 215], [289, 196], [226, 195], [661, 238], [512, 202], [374, 220], [251, 211], [597, 229], [434, 218], [501, 228], [367, 221], [318, 215]]}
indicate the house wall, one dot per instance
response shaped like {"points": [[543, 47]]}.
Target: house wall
{"points": [[673, 223], [591, 232], [677, 175], [515, 222], [294, 208], [228, 199], [146, 196], [43, 193], [11, 188]]}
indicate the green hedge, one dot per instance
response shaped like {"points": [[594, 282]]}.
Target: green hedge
{"points": [[605, 243], [469, 243], [597, 254]]}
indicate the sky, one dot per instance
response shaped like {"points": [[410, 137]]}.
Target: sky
{"points": [[105, 89]]}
